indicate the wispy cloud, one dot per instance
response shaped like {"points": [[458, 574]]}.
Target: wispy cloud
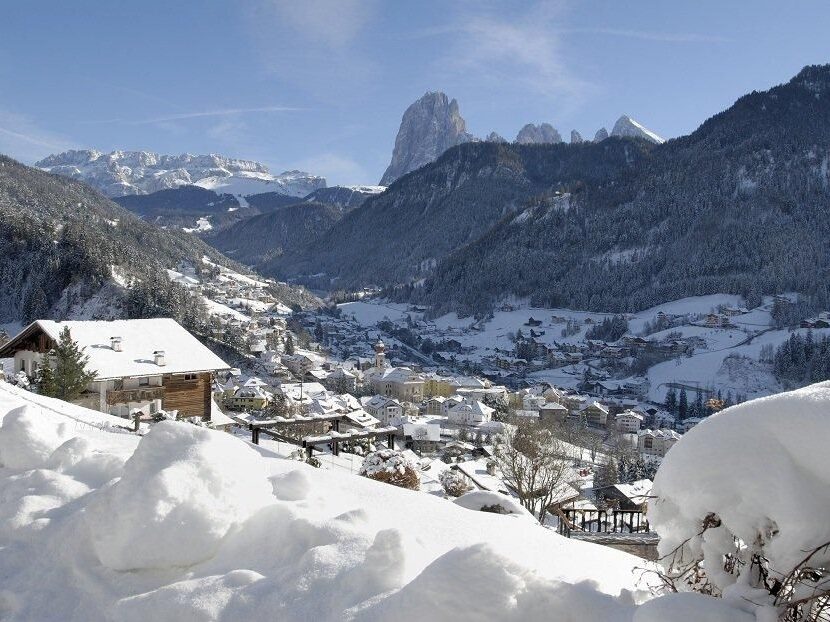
{"points": [[333, 23], [519, 51], [183, 116], [318, 46], [664, 37], [23, 139]]}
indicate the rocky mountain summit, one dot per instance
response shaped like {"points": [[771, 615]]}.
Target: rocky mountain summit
{"points": [[121, 173], [626, 127], [544, 134], [428, 128]]}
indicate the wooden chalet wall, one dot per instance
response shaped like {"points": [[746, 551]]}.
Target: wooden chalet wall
{"points": [[190, 397]]}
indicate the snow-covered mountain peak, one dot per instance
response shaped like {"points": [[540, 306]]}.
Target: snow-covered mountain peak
{"points": [[120, 173], [628, 127]]}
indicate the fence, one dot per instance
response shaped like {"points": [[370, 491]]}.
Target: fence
{"points": [[602, 521]]}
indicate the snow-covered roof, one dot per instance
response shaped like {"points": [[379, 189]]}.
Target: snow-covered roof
{"points": [[630, 413], [638, 491], [140, 339]]}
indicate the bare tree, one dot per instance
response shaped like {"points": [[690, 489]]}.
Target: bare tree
{"points": [[531, 461]]}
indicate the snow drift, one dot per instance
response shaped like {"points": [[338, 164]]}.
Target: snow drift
{"points": [[758, 472], [186, 523]]}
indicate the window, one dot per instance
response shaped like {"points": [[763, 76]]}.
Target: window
{"points": [[191, 376], [144, 382], [648, 442]]}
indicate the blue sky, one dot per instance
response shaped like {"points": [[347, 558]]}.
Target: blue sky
{"points": [[321, 84]]}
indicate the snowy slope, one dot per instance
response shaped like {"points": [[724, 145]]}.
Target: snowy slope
{"points": [[628, 127], [199, 525]]}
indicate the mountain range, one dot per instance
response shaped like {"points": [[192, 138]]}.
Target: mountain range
{"points": [[433, 124], [69, 252], [737, 206], [619, 223], [120, 173]]}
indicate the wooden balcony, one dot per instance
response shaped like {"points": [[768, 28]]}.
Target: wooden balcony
{"points": [[142, 394]]}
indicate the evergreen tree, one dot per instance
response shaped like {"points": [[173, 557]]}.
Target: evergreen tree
{"points": [[63, 373], [289, 344], [671, 401], [683, 405]]}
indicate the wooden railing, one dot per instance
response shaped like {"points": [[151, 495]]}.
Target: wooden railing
{"points": [[142, 394], [602, 521]]}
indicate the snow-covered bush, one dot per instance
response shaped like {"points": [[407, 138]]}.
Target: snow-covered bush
{"points": [[742, 501], [494, 502], [454, 483], [391, 467]]}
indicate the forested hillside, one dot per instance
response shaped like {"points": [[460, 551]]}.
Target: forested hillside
{"points": [[738, 206], [64, 246], [399, 236], [263, 240]]}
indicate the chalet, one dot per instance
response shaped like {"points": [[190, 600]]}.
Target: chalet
{"points": [[342, 381], [594, 414], [629, 422], [717, 320], [387, 410], [470, 413], [247, 398], [140, 366], [552, 412], [631, 496], [434, 405], [656, 442]]}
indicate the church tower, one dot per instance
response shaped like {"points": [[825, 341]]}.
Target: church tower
{"points": [[380, 355]]}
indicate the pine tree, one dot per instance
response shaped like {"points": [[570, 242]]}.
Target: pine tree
{"points": [[63, 373], [671, 401], [289, 344], [683, 405]]}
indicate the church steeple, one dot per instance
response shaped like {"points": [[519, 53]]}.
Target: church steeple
{"points": [[380, 354]]}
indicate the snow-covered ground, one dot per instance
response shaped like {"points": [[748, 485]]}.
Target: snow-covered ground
{"points": [[202, 224], [186, 523], [720, 362], [762, 470]]}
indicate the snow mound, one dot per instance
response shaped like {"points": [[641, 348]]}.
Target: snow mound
{"points": [[495, 502], [27, 438], [187, 523], [761, 472], [181, 492]]}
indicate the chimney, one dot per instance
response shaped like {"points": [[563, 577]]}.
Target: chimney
{"points": [[158, 356], [115, 342]]}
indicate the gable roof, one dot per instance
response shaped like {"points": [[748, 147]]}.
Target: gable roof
{"points": [[140, 338]]}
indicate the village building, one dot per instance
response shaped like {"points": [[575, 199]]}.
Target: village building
{"points": [[656, 442], [247, 398], [140, 366], [470, 413], [385, 409], [629, 422], [594, 414], [631, 496]]}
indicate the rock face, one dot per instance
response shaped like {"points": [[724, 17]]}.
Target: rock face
{"points": [[601, 134], [543, 134], [628, 127], [493, 137], [121, 173], [429, 127], [576, 137]]}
